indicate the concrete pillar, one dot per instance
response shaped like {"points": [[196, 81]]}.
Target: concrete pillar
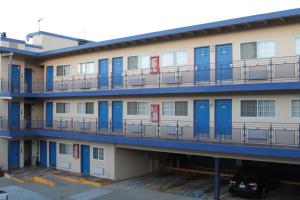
{"points": [[8, 157], [217, 179]]}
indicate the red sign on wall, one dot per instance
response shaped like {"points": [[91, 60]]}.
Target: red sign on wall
{"points": [[76, 151], [154, 65], [154, 112]]}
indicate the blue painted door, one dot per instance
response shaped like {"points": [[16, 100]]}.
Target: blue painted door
{"points": [[49, 114], [103, 74], [117, 72], [28, 80], [43, 153], [49, 78], [14, 154], [85, 159], [223, 118], [15, 78], [52, 154], [14, 115], [202, 64], [103, 115], [117, 116], [224, 62], [201, 118]]}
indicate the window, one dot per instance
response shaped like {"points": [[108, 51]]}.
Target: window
{"points": [[86, 68], [63, 70], [258, 108], [265, 49], [295, 108], [297, 46], [85, 108], [249, 108], [98, 153], [260, 49], [138, 62], [62, 107], [249, 50], [65, 149], [175, 58], [175, 108], [137, 108]]}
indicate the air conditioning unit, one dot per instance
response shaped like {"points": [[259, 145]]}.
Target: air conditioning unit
{"points": [[135, 128], [170, 130], [85, 85], [65, 165], [135, 81], [171, 78], [98, 171], [62, 86], [62, 124], [85, 125]]}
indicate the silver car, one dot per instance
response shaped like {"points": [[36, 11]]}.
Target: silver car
{"points": [[3, 195]]}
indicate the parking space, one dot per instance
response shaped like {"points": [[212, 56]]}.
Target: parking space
{"points": [[160, 186]]}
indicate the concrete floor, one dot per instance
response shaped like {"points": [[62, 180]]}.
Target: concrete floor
{"points": [[149, 187]]}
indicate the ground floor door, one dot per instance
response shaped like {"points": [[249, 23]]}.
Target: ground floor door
{"points": [[14, 154], [43, 153], [52, 154], [85, 159], [27, 153]]}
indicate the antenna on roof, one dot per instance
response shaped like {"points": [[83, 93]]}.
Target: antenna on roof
{"points": [[39, 24]]}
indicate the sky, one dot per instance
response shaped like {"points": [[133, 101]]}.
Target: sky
{"points": [[99, 20]]}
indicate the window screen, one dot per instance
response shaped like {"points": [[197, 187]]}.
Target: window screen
{"points": [[295, 108], [248, 108], [131, 108], [181, 108], [89, 108], [249, 50], [132, 62]]}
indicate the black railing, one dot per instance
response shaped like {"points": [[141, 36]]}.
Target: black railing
{"points": [[255, 133], [268, 70]]}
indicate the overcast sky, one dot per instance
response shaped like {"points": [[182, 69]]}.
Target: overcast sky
{"points": [[107, 19]]}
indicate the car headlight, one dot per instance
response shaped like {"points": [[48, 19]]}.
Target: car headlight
{"points": [[253, 186], [231, 183]]}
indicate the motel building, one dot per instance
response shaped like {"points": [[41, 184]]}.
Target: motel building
{"points": [[227, 92]]}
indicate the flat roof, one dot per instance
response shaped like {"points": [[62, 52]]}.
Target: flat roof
{"points": [[249, 21]]}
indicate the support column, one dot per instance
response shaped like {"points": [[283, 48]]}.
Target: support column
{"points": [[8, 158], [217, 179]]}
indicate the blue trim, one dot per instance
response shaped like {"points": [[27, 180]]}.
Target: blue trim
{"points": [[230, 22], [30, 35], [34, 46], [168, 144], [165, 91], [19, 51], [12, 40]]}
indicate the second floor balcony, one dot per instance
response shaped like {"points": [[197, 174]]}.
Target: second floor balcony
{"points": [[269, 70], [243, 133]]}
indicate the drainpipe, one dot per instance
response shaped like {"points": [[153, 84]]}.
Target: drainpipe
{"points": [[8, 158]]}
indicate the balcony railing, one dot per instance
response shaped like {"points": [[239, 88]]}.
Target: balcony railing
{"points": [[251, 133], [268, 70]]}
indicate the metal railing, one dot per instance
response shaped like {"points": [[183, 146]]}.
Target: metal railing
{"points": [[268, 70], [254, 133]]}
